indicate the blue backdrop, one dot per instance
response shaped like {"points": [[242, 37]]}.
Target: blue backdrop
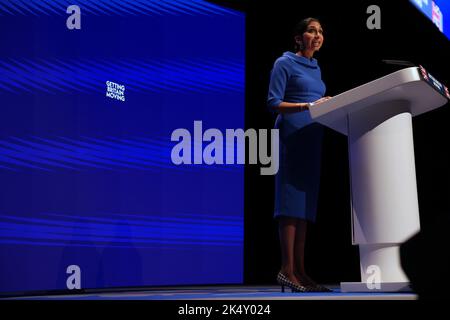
{"points": [[86, 177]]}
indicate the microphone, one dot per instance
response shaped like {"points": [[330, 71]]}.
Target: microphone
{"points": [[400, 63]]}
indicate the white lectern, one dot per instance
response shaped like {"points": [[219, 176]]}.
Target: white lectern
{"points": [[376, 117]]}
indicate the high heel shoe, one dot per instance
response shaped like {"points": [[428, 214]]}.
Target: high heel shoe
{"points": [[283, 281], [320, 288], [314, 287]]}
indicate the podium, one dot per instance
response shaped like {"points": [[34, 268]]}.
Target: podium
{"points": [[377, 118]]}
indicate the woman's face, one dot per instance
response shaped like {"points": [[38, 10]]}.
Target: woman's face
{"points": [[313, 37]]}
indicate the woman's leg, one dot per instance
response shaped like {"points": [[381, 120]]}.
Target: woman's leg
{"points": [[299, 257], [287, 232], [299, 253], [299, 246]]}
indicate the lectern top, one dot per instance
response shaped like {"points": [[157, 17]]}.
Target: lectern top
{"points": [[414, 85]]}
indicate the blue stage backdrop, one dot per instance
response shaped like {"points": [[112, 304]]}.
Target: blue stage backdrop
{"points": [[90, 93]]}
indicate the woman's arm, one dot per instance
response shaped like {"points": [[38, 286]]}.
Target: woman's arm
{"points": [[290, 107]]}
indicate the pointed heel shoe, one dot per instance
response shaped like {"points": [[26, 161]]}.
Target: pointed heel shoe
{"points": [[283, 281], [320, 288], [314, 287]]}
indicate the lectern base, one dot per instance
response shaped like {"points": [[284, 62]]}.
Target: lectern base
{"points": [[384, 287]]}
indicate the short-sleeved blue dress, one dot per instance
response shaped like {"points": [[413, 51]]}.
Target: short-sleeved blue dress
{"points": [[297, 79]]}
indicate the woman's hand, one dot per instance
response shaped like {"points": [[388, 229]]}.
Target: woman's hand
{"points": [[322, 100]]}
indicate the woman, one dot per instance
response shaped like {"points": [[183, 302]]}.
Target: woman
{"points": [[295, 86]]}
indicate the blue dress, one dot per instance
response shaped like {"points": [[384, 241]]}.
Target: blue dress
{"points": [[297, 79]]}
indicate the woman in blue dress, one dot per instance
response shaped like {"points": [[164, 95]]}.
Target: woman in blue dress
{"points": [[295, 86]]}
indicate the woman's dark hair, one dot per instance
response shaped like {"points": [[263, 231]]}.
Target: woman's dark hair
{"points": [[301, 27]]}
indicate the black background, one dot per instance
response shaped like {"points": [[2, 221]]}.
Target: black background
{"points": [[351, 55]]}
